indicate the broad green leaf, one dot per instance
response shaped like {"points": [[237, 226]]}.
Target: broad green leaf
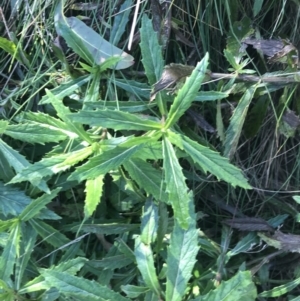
{"points": [[149, 223], [239, 287], [210, 161], [147, 177], [187, 93], [35, 133], [175, 183], [79, 288], [107, 229], [281, 289], [181, 258], [237, 122], [12, 200], [152, 60], [10, 252], [53, 165], [116, 120], [49, 234], [93, 190], [102, 164], [37, 205], [89, 45], [19, 162], [66, 89], [145, 262]]}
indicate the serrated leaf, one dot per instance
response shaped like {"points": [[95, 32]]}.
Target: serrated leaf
{"points": [[112, 262], [66, 89], [37, 205], [12, 200], [149, 222], [152, 60], [102, 164], [114, 119], [187, 93], [210, 161], [18, 162], [145, 262], [10, 252], [210, 95], [181, 258], [237, 121], [34, 133], [79, 288], [124, 106], [175, 183], [147, 177], [62, 112], [93, 190], [53, 165], [49, 234], [107, 229], [45, 120], [239, 287], [86, 42]]}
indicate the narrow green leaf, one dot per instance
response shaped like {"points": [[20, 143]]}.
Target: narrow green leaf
{"points": [[53, 165], [37, 205], [93, 190], [133, 291], [152, 60], [281, 289], [107, 229], [102, 164], [3, 126], [210, 161], [147, 177], [124, 106], [149, 223], [66, 89], [11, 48], [187, 93], [145, 262], [49, 234], [71, 267], [27, 244], [79, 288], [12, 200], [34, 133], [210, 95], [62, 112], [239, 287], [18, 162], [181, 258], [10, 252], [237, 122], [114, 119], [135, 88], [86, 42], [112, 262], [120, 22], [175, 182]]}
